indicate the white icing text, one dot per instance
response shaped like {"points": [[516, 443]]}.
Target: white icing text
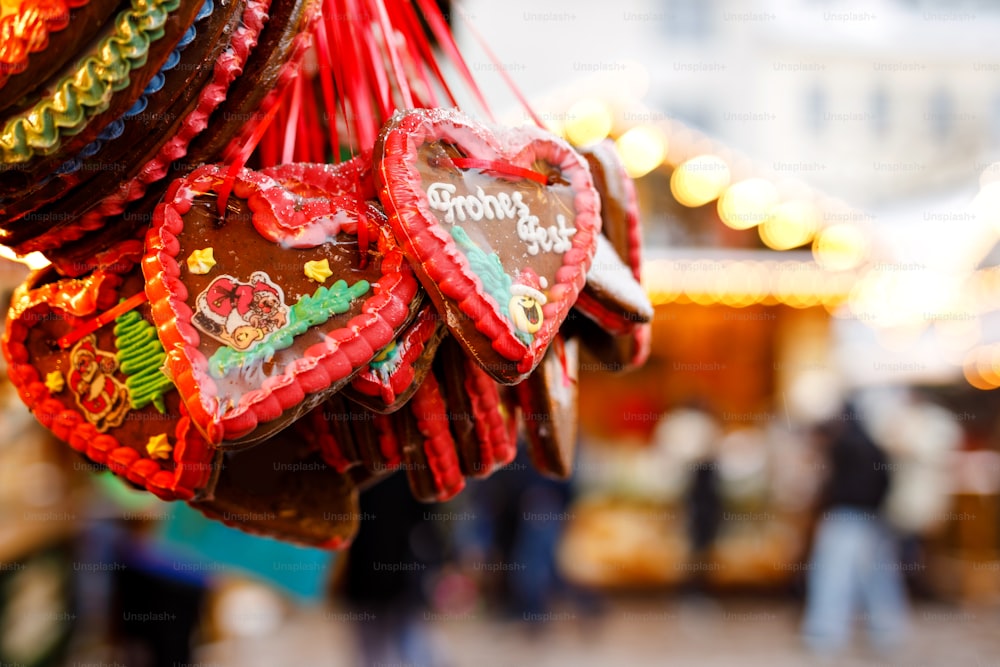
{"points": [[501, 206]]}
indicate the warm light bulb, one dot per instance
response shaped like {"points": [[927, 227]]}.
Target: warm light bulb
{"points": [[699, 180], [588, 122], [840, 247], [748, 203], [790, 225], [642, 150]]}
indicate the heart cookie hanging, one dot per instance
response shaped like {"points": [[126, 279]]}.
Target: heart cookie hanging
{"points": [[500, 229], [267, 310]]}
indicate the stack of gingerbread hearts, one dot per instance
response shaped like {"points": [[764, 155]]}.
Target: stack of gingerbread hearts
{"points": [[265, 343]]}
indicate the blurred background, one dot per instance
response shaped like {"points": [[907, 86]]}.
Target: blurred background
{"points": [[820, 194]]}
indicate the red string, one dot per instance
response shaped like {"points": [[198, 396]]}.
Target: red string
{"points": [[503, 168], [417, 36], [447, 42], [109, 315], [389, 35], [499, 67]]}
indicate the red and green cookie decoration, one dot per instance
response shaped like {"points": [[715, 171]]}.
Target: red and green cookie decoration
{"points": [[85, 358], [272, 306], [500, 228]]}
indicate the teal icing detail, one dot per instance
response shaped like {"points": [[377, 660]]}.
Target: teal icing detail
{"points": [[490, 271], [310, 311]]}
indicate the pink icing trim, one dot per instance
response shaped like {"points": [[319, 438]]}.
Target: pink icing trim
{"points": [[227, 68], [81, 298], [434, 253], [320, 366]]}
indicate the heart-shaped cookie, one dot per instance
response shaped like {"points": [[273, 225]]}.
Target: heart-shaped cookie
{"points": [[282, 488], [272, 307], [391, 378], [549, 409], [500, 229], [93, 377]]}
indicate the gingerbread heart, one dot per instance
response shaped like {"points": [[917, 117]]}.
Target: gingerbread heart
{"points": [[391, 378], [475, 413], [500, 229], [548, 401], [272, 307], [90, 372], [283, 489]]}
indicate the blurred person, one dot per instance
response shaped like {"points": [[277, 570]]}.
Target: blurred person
{"points": [[854, 565], [693, 434], [386, 574]]}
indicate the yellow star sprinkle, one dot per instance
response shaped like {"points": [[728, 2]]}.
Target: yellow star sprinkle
{"points": [[158, 447], [201, 261], [54, 382], [318, 270]]}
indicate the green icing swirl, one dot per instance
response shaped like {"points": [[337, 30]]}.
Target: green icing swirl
{"points": [[140, 357], [495, 280], [88, 89], [310, 311]]}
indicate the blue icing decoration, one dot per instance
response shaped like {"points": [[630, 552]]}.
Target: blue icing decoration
{"points": [[138, 107], [156, 83]]}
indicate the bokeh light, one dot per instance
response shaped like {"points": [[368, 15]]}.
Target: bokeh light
{"points": [[699, 180], [748, 203], [642, 150]]}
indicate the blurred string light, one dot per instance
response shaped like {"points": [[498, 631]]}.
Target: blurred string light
{"points": [[642, 149], [742, 283], [746, 204], [34, 260], [790, 225], [699, 180], [840, 247], [588, 122]]}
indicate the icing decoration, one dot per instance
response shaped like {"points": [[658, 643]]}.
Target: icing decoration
{"points": [[54, 382], [26, 30], [295, 362], [241, 314], [318, 270], [201, 261], [87, 90], [140, 357], [471, 234], [99, 394], [226, 69], [117, 127], [158, 447], [310, 311]]}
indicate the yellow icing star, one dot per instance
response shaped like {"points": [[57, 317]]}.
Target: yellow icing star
{"points": [[318, 270], [54, 382], [158, 447], [201, 261]]}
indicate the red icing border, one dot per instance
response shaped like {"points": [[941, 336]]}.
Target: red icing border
{"points": [[413, 341], [438, 445], [496, 447], [226, 69], [81, 298], [431, 248], [319, 367]]}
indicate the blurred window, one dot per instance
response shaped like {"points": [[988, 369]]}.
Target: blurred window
{"points": [[880, 111], [816, 109], [690, 19]]}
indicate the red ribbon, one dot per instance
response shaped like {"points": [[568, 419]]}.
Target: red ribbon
{"points": [[498, 167], [109, 315]]}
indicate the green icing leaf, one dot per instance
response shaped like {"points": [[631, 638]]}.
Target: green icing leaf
{"points": [[495, 280], [310, 311]]}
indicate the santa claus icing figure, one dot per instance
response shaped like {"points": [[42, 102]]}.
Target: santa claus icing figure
{"points": [[241, 314], [103, 398]]}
